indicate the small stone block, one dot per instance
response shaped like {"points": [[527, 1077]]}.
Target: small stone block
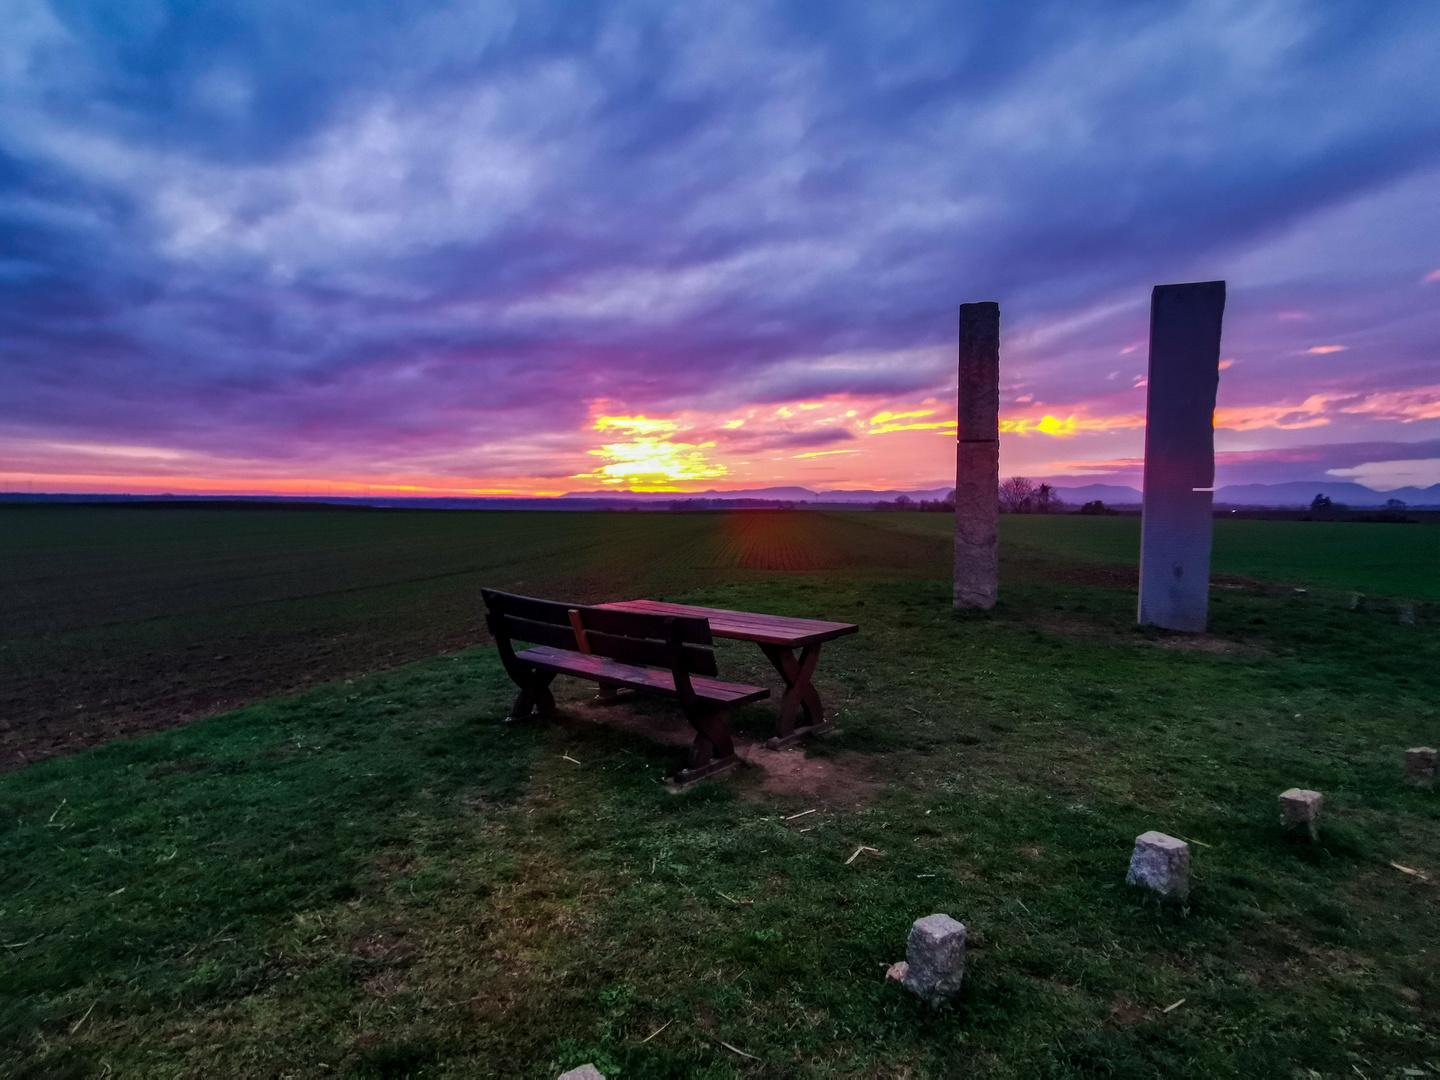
{"points": [[935, 959], [1300, 807], [584, 1072], [1161, 863], [896, 972], [1420, 766]]}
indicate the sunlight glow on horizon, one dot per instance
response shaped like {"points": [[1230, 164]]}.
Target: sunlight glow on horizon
{"points": [[694, 450]]}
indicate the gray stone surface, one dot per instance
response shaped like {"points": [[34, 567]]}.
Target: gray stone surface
{"points": [[584, 1072], [1162, 864], [935, 958], [1176, 523], [1420, 766], [1300, 808], [977, 459]]}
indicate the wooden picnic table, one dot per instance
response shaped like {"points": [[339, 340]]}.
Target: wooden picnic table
{"points": [[778, 637]]}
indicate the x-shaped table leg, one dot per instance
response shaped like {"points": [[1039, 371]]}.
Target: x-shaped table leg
{"points": [[799, 694]]}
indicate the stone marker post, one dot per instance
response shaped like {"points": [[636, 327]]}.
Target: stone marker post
{"points": [[977, 459], [1420, 766], [1161, 864], [1180, 454], [1300, 809], [935, 959]]}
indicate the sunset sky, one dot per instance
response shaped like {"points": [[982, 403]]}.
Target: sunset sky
{"points": [[532, 248]]}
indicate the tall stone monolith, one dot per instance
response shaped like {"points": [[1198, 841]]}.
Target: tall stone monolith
{"points": [[977, 459], [1180, 454]]}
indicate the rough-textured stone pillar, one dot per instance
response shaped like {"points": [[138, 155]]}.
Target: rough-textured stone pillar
{"points": [[977, 459], [1180, 454]]}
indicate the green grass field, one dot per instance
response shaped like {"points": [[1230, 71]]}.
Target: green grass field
{"points": [[371, 877]]}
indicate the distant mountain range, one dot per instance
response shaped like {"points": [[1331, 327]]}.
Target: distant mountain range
{"points": [[773, 494], [1291, 494], [1288, 495], [1295, 493]]}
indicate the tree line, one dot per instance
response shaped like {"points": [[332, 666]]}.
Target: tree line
{"points": [[1018, 495]]}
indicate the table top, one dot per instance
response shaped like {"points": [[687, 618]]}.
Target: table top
{"points": [[747, 625]]}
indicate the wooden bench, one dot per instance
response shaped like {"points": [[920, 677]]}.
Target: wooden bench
{"points": [[669, 655]]}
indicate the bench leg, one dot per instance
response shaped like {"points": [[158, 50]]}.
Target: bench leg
{"points": [[800, 695], [713, 751], [535, 697]]}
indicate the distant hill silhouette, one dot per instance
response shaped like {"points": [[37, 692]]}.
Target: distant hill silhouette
{"points": [[1297, 493]]}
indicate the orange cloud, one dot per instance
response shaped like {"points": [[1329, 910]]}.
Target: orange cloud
{"points": [[1322, 350], [1071, 425], [1405, 406], [888, 417], [645, 461], [1285, 417]]}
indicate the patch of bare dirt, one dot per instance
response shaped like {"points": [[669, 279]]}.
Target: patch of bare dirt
{"points": [[382, 945], [1208, 643], [393, 863], [386, 984], [1074, 627], [843, 780], [669, 728], [849, 780], [1125, 1011]]}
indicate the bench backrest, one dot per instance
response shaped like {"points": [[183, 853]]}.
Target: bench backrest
{"points": [[631, 637]]}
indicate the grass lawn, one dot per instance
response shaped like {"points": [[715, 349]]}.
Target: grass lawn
{"points": [[373, 877]]}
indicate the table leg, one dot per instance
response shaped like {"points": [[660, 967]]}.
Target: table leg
{"points": [[800, 694]]}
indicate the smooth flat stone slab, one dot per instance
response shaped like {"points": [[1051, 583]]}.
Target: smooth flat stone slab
{"points": [[1175, 528], [584, 1072]]}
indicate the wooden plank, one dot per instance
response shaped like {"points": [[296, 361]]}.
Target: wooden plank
{"points": [[776, 631], [693, 630], [746, 625], [659, 682], [539, 633], [527, 607], [638, 650], [754, 620]]}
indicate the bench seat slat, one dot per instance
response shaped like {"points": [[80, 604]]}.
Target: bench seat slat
{"points": [[636, 678]]}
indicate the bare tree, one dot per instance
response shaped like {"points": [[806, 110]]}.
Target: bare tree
{"points": [[1017, 495], [1045, 499]]}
